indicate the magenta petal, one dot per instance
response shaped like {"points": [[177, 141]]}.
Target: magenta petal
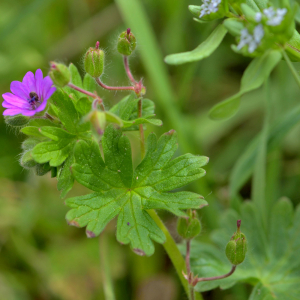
{"points": [[5, 104], [39, 82], [47, 84], [29, 82], [15, 100], [50, 93], [42, 106], [19, 89], [16, 111]]}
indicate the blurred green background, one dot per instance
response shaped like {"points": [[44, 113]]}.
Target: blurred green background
{"points": [[41, 257]]}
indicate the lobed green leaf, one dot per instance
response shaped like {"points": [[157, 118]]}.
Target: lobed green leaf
{"points": [[119, 192]]}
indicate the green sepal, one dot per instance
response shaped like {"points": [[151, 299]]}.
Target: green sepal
{"points": [[60, 74], [27, 161], [42, 169], [16, 121], [189, 227], [126, 43], [236, 248], [94, 62]]}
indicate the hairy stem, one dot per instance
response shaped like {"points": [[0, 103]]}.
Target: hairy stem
{"points": [[292, 68], [106, 275], [114, 88], [141, 128], [49, 117], [173, 253], [187, 257], [71, 85], [127, 69], [216, 277]]}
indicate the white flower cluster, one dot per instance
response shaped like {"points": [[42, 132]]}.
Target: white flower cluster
{"points": [[252, 40], [209, 6], [274, 16]]}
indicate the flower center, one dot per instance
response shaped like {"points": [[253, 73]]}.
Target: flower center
{"points": [[34, 100]]}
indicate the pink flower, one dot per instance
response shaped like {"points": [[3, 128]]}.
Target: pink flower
{"points": [[29, 96]]}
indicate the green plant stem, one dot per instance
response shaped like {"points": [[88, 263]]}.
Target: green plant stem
{"points": [[233, 268], [192, 292], [106, 275], [174, 254], [141, 128], [291, 67]]}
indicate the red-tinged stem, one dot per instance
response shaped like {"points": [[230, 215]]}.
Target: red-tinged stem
{"points": [[114, 88], [98, 100], [196, 280], [71, 85], [187, 257], [127, 69]]}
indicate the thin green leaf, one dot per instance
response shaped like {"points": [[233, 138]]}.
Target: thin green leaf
{"points": [[204, 50], [254, 76]]}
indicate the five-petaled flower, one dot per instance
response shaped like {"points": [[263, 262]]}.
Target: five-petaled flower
{"points": [[29, 96]]}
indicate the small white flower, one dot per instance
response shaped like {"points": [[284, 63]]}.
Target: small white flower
{"points": [[274, 16], [252, 41], [258, 33], [258, 17], [209, 6]]}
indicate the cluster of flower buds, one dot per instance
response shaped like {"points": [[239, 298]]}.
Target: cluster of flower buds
{"points": [[189, 227], [259, 31], [94, 60], [237, 247]]}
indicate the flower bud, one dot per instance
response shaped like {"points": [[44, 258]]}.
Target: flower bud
{"points": [[126, 43], [237, 247], [94, 61], [60, 74], [27, 161], [17, 120], [190, 227], [98, 121]]}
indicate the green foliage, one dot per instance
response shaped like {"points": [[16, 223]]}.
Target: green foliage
{"points": [[271, 264], [121, 190], [204, 50], [254, 76], [126, 110]]}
